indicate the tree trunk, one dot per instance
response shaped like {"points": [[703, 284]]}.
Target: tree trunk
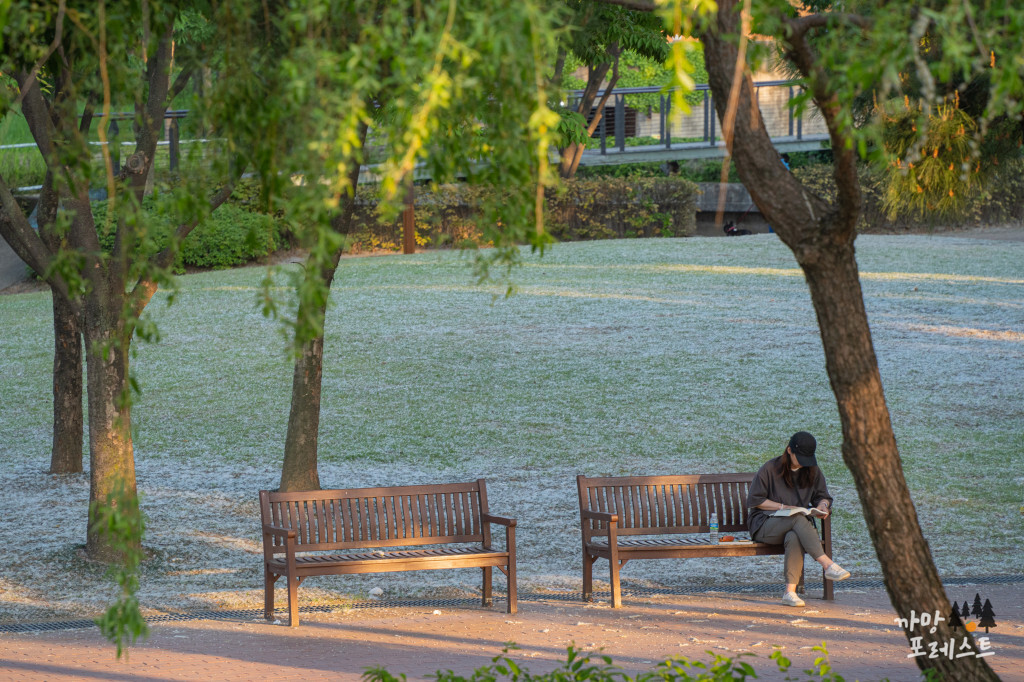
{"points": [[66, 456], [111, 457], [299, 470], [821, 237], [573, 153]]}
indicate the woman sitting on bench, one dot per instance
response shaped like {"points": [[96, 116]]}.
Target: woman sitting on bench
{"points": [[792, 481]]}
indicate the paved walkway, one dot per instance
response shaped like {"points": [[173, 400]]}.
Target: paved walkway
{"points": [[863, 641]]}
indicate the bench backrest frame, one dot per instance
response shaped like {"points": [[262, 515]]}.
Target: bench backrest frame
{"points": [[397, 516], [656, 505]]}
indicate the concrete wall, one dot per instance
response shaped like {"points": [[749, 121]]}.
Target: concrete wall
{"points": [[12, 269]]}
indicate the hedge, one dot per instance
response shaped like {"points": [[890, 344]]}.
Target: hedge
{"points": [[999, 203], [230, 236], [608, 208]]}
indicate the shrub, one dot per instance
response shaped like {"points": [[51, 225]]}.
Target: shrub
{"points": [[938, 180], [619, 207], [581, 666], [582, 209], [694, 170], [230, 236], [997, 202]]}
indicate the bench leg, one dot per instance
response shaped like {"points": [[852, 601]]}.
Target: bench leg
{"points": [[487, 600], [588, 576], [268, 593], [830, 594], [616, 590], [800, 588], [293, 601], [512, 596]]}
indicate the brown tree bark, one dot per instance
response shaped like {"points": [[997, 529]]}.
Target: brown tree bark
{"points": [[111, 455], [821, 237], [66, 452], [66, 455], [299, 471]]}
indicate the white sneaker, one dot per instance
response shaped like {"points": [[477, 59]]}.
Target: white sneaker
{"points": [[836, 572], [791, 599]]}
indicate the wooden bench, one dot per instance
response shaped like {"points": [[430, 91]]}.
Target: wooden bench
{"points": [[663, 517], [376, 530]]}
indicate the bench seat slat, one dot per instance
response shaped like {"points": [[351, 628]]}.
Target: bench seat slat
{"points": [[666, 542], [363, 557]]}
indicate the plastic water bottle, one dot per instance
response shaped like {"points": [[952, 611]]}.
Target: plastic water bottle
{"points": [[714, 529]]}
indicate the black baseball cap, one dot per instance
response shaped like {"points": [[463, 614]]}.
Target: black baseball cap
{"points": [[803, 445]]}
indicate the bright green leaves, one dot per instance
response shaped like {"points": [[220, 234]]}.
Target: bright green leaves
{"points": [[933, 172], [121, 521], [404, 89]]}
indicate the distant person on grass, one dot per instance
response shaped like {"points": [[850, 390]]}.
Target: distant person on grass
{"points": [[792, 481]]}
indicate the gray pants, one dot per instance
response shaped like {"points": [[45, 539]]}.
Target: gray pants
{"points": [[798, 534]]}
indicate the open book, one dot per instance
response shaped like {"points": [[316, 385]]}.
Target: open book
{"points": [[814, 511]]}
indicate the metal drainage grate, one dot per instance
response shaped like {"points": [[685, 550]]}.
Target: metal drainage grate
{"points": [[469, 602]]}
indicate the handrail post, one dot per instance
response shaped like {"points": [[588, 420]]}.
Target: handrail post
{"points": [[409, 218], [800, 127], [668, 122], [661, 119], [173, 135], [604, 131], [711, 120], [705, 115], [114, 145], [789, 108], [620, 122]]}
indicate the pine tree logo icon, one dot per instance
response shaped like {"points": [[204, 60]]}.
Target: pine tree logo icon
{"points": [[983, 611]]}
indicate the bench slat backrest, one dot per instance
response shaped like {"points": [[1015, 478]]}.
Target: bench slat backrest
{"points": [[379, 517], [654, 505]]}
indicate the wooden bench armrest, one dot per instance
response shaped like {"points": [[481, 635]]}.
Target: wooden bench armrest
{"points": [[600, 516], [283, 533], [500, 520]]}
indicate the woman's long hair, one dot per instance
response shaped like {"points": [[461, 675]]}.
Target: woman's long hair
{"points": [[805, 476]]}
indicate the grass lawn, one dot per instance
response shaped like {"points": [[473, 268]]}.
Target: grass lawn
{"points": [[640, 356]]}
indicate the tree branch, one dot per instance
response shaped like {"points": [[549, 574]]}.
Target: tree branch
{"points": [[848, 197], [638, 5], [144, 289], [801, 25], [179, 84], [37, 114], [26, 242], [58, 31], [614, 51]]}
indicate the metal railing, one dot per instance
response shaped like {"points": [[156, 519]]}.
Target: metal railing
{"points": [[705, 110], [171, 130], [707, 138]]}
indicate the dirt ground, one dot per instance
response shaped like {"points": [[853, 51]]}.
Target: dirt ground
{"points": [[863, 641]]}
